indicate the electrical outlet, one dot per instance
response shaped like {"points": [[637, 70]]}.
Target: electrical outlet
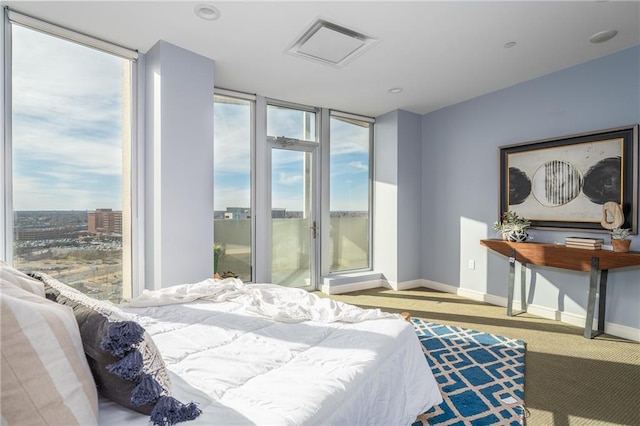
{"points": [[472, 264]]}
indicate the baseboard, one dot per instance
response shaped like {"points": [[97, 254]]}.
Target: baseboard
{"points": [[613, 329], [407, 285], [349, 287], [434, 285], [578, 320], [565, 317], [622, 331]]}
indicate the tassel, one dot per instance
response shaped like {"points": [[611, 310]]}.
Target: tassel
{"points": [[169, 411], [121, 337], [129, 367], [147, 391]]}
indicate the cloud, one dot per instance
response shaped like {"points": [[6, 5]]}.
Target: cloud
{"points": [[67, 124], [359, 166], [39, 193], [229, 196], [56, 146], [283, 121], [289, 178], [347, 138], [232, 138]]}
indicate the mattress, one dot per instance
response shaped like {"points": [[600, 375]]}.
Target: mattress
{"points": [[252, 358]]}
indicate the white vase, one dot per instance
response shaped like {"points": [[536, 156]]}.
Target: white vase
{"points": [[517, 236]]}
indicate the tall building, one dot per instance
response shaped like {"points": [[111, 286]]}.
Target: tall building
{"points": [[104, 221]]}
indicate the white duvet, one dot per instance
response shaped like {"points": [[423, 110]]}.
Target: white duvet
{"points": [[269, 355]]}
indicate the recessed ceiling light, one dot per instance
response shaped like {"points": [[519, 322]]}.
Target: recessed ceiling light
{"points": [[603, 36], [509, 44], [395, 90], [208, 12]]}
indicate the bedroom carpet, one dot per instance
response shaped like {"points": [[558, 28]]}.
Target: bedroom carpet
{"points": [[480, 375], [569, 380]]}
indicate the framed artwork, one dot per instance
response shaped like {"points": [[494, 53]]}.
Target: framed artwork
{"points": [[562, 183]]}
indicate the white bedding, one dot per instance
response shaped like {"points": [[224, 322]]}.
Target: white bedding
{"points": [[247, 355]]}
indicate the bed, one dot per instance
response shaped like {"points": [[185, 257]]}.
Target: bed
{"points": [[268, 355]]}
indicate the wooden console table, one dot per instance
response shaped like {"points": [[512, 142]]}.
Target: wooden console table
{"points": [[560, 256]]}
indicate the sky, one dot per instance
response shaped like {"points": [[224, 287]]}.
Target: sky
{"points": [[349, 160], [67, 137], [67, 119]]}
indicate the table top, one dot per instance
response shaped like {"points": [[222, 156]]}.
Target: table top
{"points": [[560, 256]]}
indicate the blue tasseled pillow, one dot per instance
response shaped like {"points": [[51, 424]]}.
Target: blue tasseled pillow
{"points": [[126, 365]]}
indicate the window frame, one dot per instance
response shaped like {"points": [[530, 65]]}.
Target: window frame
{"points": [[297, 107], [252, 173], [135, 151], [327, 208]]}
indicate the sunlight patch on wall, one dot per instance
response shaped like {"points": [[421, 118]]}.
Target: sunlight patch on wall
{"points": [[473, 256]]}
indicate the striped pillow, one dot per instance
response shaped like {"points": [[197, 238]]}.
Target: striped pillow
{"points": [[17, 278], [45, 375]]}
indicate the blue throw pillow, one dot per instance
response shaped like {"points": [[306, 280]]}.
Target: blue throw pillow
{"points": [[124, 360]]}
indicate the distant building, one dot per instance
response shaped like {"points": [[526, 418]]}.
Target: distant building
{"points": [[37, 234], [237, 213], [104, 221], [278, 213]]}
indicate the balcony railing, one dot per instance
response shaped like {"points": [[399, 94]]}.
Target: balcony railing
{"points": [[348, 248]]}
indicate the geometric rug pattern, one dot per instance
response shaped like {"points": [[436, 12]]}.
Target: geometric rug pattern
{"points": [[480, 376]]}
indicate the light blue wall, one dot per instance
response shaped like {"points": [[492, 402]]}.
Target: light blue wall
{"points": [[460, 178], [409, 196], [385, 197], [179, 166], [397, 196]]}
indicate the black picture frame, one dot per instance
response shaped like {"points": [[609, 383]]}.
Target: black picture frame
{"points": [[561, 183]]}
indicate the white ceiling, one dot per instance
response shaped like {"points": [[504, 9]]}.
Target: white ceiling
{"points": [[440, 52]]}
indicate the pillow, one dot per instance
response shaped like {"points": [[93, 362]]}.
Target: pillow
{"points": [[21, 280], [126, 365], [45, 375]]}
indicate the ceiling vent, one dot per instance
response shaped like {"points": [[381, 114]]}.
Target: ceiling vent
{"points": [[330, 44]]}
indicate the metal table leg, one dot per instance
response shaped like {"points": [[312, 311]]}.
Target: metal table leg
{"points": [[602, 306], [589, 333], [523, 287], [512, 278]]}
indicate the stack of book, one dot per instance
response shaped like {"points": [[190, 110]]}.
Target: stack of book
{"points": [[584, 243]]}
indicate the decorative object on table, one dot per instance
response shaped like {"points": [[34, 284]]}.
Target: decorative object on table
{"points": [[563, 183], [480, 375], [619, 240], [612, 215], [512, 227], [584, 243]]}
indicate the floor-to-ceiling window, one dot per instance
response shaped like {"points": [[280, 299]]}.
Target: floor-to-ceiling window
{"points": [[350, 192], [286, 141], [232, 195], [70, 145]]}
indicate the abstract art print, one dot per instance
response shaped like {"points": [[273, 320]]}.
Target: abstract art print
{"points": [[562, 183]]}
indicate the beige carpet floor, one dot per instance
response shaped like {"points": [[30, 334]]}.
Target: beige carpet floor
{"points": [[569, 380]]}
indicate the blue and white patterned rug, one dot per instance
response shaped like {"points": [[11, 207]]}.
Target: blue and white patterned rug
{"points": [[480, 375]]}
